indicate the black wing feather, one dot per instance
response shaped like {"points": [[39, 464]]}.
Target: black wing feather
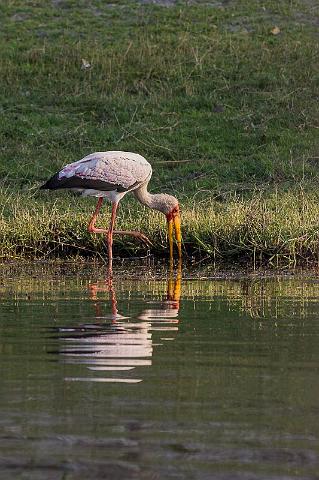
{"points": [[81, 182]]}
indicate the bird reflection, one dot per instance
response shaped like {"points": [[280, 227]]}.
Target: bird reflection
{"points": [[116, 343]]}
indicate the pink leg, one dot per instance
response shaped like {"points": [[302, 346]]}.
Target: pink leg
{"points": [[110, 235], [91, 227]]}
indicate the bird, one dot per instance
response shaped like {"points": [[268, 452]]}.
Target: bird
{"points": [[111, 175]]}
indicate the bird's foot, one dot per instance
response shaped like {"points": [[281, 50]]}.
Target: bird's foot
{"points": [[96, 230], [145, 240], [135, 234]]}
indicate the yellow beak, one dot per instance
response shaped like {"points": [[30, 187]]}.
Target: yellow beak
{"points": [[175, 224]]}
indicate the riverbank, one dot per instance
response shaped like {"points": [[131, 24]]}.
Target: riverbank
{"points": [[219, 97], [272, 230]]}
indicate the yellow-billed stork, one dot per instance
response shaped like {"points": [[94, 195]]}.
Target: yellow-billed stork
{"points": [[111, 175]]}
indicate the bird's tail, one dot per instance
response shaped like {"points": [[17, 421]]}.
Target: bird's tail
{"points": [[53, 183]]}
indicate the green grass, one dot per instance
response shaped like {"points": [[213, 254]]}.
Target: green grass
{"points": [[224, 110]]}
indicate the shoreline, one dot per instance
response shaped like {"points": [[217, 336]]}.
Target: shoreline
{"points": [[151, 269]]}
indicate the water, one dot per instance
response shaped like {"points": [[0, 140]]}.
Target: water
{"points": [[157, 379]]}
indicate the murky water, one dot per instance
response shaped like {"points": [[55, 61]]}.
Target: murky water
{"points": [[158, 379]]}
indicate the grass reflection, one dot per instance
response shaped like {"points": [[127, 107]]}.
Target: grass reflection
{"points": [[254, 295]]}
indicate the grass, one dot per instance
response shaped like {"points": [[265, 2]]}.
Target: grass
{"points": [[224, 110]]}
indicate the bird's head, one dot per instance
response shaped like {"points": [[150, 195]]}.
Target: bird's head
{"points": [[173, 216], [168, 205]]}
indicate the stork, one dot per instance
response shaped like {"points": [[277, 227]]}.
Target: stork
{"points": [[112, 175]]}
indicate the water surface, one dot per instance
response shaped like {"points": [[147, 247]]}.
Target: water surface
{"points": [[165, 378]]}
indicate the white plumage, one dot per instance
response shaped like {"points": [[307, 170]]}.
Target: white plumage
{"points": [[122, 170], [118, 168]]}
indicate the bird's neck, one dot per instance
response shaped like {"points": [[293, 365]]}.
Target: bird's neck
{"points": [[148, 199]]}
